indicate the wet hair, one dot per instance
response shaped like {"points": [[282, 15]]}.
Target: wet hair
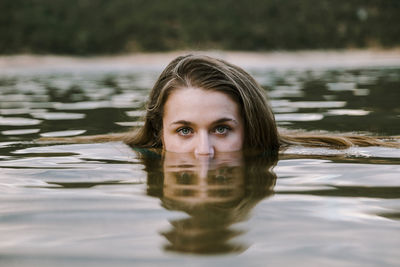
{"points": [[207, 73]]}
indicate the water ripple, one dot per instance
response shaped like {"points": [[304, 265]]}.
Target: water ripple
{"points": [[58, 115], [63, 133], [17, 121], [349, 112], [299, 117], [20, 132]]}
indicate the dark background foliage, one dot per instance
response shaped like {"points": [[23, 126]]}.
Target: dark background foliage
{"points": [[85, 27]]}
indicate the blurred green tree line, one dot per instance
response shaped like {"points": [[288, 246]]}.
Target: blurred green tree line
{"points": [[85, 27]]}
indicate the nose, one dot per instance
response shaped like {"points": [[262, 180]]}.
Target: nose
{"points": [[204, 146]]}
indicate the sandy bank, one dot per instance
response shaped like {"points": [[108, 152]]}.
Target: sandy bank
{"points": [[275, 60]]}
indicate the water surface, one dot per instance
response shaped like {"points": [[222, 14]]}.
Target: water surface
{"points": [[108, 204]]}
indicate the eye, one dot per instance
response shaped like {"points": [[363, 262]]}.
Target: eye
{"points": [[221, 129], [184, 131]]}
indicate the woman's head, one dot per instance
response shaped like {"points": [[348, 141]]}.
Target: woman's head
{"points": [[212, 78]]}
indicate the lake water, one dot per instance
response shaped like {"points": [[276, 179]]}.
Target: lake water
{"points": [[107, 204]]}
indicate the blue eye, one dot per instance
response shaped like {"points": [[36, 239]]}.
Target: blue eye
{"points": [[184, 131], [222, 129]]}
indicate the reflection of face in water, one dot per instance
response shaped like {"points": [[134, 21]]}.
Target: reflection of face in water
{"points": [[202, 181], [215, 193]]}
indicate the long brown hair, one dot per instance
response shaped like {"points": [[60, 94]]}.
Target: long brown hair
{"points": [[209, 73]]}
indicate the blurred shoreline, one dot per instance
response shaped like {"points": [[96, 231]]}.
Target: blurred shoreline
{"points": [[312, 59]]}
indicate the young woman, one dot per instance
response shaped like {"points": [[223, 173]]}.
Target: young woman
{"points": [[204, 105]]}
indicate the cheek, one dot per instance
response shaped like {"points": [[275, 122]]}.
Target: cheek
{"points": [[173, 143], [232, 143], [167, 141]]}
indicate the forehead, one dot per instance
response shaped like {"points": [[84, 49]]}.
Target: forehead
{"points": [[191, 103]]}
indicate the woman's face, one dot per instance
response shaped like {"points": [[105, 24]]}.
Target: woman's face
{"points": [[202, 122]]}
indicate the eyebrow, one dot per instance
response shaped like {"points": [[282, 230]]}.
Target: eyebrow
{"points": [[222, 120]]}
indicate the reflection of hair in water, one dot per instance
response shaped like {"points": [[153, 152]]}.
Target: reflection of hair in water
{"points": [[207, 229]]}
